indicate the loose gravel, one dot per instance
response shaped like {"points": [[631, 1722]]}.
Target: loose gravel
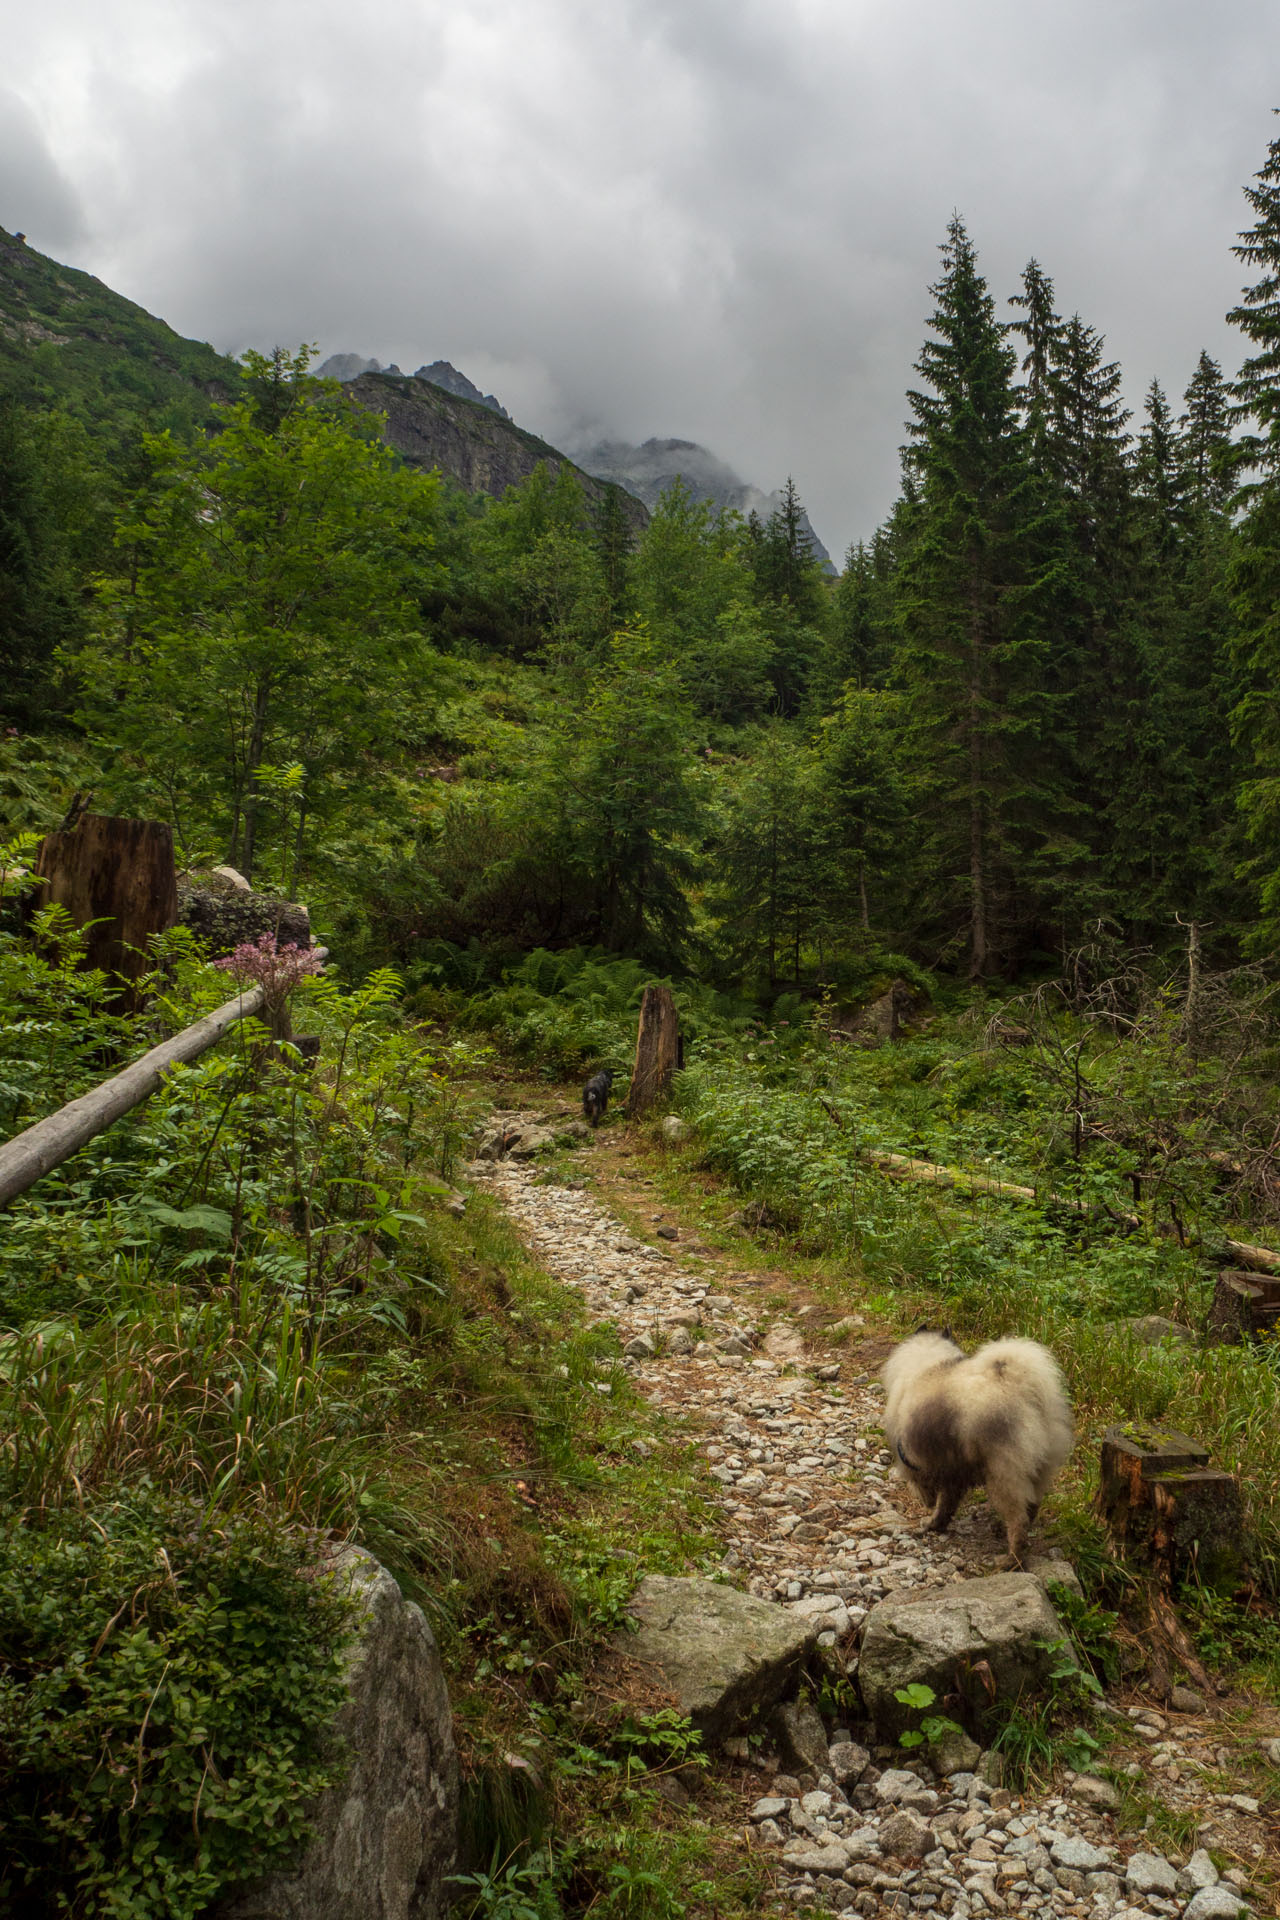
{"points": [[810, 1523]]}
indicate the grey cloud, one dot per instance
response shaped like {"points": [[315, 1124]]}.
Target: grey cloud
{"points": [[709, 218], [35, 197]]}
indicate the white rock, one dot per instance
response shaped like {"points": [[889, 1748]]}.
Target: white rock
{"points": [[804, 1857], [1069, 1850], [1200, 1870], [1095, 1792], [1215, 1903], [1150, 1873], [894, 1783]]}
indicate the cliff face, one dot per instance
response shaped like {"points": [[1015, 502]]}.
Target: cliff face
{"points": [[482, 450]]}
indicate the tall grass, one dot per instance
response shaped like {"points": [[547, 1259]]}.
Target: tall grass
{"points": [[991, 1266]]}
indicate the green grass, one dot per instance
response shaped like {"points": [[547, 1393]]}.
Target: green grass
{"points": [[910, 1251]]}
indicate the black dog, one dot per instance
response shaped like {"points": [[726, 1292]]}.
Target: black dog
{"points": [[595, 1095]]}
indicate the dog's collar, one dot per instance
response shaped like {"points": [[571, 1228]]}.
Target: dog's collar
{"points": [[908, 1464]]}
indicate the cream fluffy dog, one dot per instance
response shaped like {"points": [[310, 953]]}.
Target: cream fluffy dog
{"points": [[997, 1418]]}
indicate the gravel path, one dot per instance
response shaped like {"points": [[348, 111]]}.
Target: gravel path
{"points": [[809, 1521]]}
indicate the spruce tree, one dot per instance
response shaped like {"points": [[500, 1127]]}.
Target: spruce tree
{"points": [[1158, 470], [859, 646], [973, 618], [792, 596], [1041, 330], [1206, 437], [1255, 569], [1256, 388]]}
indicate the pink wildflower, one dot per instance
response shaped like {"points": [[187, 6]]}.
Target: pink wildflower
{"points": [[277, 970]]}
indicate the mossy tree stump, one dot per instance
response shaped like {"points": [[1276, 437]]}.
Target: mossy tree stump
{"points": [[1244, 1305], [1166, 1507]]}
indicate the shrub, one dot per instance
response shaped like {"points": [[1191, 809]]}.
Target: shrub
{"points": [[162, 1685]]}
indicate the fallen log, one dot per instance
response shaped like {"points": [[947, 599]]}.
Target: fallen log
{"points": [[46, 1144], [904, 1167]]}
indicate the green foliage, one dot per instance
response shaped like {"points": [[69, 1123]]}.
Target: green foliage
{"points": [[1236, 1636], [693, 590], [510, 1891], [52, 526], [164, 1687], [1033, 1737], [662, 1741], [934, 1726], [73, 344], [263, 601], [1092, 1630], [791, 1124]]}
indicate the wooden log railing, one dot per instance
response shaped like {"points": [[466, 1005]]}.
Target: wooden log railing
{"points": [[46, 1144]]}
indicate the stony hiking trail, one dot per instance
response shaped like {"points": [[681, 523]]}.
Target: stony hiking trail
{"points": [[812, 1522]]}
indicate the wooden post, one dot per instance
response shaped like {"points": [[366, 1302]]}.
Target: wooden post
{"points": [[1244, 1304], [657, 1051], [1163, 1503], [119, 874]]}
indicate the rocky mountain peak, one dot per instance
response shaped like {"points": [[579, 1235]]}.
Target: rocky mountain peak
{"points": [[441, 373]]}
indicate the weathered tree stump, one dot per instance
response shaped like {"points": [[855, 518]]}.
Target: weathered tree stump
{"points": [[1167, 1507], [1244, 1304], [658, 1051], [116, 878]]}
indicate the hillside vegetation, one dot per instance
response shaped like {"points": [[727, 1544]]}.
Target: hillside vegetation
{"points": [[1021, 754]]}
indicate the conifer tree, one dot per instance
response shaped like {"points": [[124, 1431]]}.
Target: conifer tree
{"points": [[1206, 437], [1255, 568], [693, 589], [1159, 469], [792, 595], [1256, 388], [613, 548], [972, 615], [1041, 330], [859, 647]]}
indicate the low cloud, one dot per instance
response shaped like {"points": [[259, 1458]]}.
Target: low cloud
{"points": [[35, 196], [709, 218]]}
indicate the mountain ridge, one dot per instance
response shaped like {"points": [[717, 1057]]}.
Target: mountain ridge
{"points": [[648, 469]]}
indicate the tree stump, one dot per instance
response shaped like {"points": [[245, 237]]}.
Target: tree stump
{"points": [[658, 1051], [1244, 1304], [118, 874], [1167, 1507]]}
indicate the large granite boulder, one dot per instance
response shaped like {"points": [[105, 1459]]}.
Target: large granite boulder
{"points": [[383, 1840], [881, 1020], [726, 1656], [225, 914], [934, 1639]]}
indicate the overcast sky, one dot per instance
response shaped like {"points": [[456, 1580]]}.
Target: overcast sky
{"points": [[715, 219]]}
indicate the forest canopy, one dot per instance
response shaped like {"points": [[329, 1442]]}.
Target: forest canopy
{"points": [[1039, 699]]}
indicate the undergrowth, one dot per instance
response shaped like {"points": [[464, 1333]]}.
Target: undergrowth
{"points": [[1058, 1270], [241, 1323]]}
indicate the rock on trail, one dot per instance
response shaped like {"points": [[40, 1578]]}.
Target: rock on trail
{"points": [[809, 1527]]}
